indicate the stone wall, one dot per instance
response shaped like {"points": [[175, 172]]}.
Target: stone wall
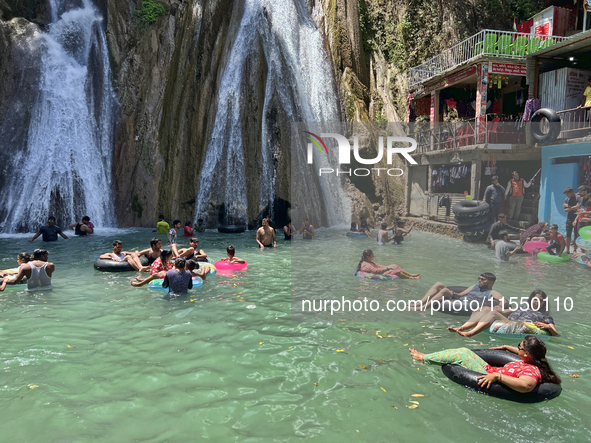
{"points": [[434, 227]]}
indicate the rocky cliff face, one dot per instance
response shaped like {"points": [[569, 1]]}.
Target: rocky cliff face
{"points": [[20, 49], [167, 76]]}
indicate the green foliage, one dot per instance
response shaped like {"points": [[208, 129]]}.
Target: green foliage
{"points": [[380, 118], [150, 11], [366, 27]]}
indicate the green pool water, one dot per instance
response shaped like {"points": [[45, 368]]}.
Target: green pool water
{"points": [[117, 363]]}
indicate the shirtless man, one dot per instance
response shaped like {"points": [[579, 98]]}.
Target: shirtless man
{"points": [[193, 252], [307, 229], [153, 252], [38, 272], [266, 236], [129, 257]]}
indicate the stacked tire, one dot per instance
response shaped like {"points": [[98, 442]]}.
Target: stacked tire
{"points": [[473, 219]]}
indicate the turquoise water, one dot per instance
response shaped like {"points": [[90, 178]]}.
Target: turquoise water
{"points": [[117, 363]]}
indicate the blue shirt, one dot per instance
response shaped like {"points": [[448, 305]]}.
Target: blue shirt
{"points": [[178, 283]]}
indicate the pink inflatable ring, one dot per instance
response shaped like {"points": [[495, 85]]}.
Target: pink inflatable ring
{"points": [[224, 265], [530, 245]]}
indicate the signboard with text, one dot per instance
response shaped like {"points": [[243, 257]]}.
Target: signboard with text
{"points": [[452, 79], [508, 68]]}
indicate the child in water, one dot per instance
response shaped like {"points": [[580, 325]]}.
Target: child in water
{"points": [[230, 250], [193, 267]]}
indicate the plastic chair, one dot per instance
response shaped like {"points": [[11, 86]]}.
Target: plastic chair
{"points": [[519, 46], [489, 45], [534, 45], [547, 43], [504, 45]]}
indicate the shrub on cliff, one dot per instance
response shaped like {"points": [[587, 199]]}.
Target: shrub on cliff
{"points": [[150, 11]]}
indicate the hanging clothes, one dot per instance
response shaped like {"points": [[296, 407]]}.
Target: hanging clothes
{"points": [[531, 106]]}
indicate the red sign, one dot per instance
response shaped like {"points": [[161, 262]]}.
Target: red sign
{"points": [[508, 68], [452, 79]]}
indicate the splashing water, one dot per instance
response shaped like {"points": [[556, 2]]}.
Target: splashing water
{"points": [[65, 169], [299, 82]]}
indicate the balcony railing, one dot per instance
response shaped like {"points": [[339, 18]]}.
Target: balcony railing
{"points": [[486, 43], [575, 123], [497, 129]]}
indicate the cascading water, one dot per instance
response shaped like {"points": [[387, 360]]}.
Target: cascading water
{"points": [[299, 81], [65, 169]]}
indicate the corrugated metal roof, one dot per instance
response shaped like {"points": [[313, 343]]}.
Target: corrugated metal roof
{"points": [[577, 44]]}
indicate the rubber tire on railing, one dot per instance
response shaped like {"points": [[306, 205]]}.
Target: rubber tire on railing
{"points": [[555, 125], [471, 221], [470, 209]]}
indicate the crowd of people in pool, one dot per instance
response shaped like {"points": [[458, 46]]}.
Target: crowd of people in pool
{"points": [[178, 267], [577, 206]]}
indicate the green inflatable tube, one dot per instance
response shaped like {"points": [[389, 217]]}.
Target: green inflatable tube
{"points": [[545, 256], [585, 232]]}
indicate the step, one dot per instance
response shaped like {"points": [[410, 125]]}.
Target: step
{"points": [[514, 237], [529, 218], [528, 211]]}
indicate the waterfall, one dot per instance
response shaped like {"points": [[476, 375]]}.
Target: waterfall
{"points": [[299, 81], [65, 169]]}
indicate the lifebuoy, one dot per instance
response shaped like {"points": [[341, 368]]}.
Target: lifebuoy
{"points": [[108, 265], [498, 358], [231, 229], [465, 311], [554, 123], [471, 221], [470, 209], [475, 231]]}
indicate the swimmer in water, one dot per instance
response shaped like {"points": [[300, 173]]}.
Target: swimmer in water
{"points": [[130, 257], [366, 264], [230, 251]]}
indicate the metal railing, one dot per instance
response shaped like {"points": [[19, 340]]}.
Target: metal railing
{"points": [[575, 123], [496, 129], [487, 42]]}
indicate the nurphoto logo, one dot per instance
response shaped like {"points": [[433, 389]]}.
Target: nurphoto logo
{"points": [[344, 154]]}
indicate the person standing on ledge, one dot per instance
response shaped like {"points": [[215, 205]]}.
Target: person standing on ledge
{"points": [[572, 204], [586, 103], [515, 187], [49, 232], [494, 197], [84, 227], [161, 227], [307, 229], [266, 236]]}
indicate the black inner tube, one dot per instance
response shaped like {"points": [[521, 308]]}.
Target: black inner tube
{"points": [[498, 358], [108, 265], [231, 229]]}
